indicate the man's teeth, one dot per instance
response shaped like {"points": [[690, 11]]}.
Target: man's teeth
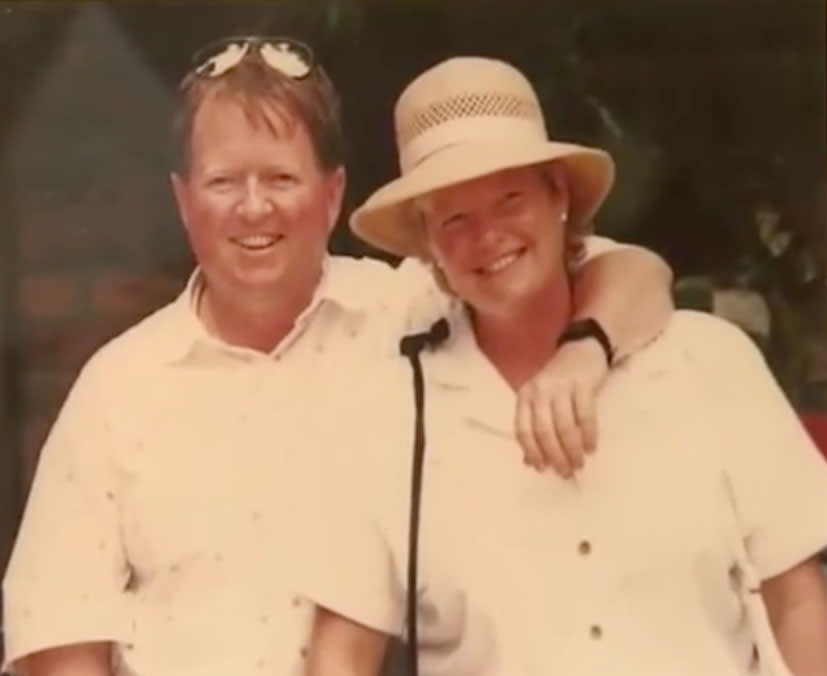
{"points": [[501, 263], [257, 241]]}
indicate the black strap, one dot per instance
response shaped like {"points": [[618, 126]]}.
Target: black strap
{"points": [[412, 347]]}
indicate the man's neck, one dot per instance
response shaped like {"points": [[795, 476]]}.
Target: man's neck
{"points": [[520, 344], [259, 322]]}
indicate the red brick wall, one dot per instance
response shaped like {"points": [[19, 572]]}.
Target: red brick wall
{"points": [[97, 241], [65, 317]]}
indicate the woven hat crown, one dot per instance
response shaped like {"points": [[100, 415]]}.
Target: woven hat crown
{"points": [[465, 99]]}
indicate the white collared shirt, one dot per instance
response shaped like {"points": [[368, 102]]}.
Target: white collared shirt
{"points": [[628, 568], [157, 514], [162, 511]]}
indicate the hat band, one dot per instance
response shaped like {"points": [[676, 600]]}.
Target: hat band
{"points": [[513, 130]]}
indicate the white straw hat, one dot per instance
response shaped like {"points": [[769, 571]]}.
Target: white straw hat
{"points": [[461, 119]]}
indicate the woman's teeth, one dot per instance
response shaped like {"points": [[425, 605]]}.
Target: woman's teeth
{"points": [[501, 263]]}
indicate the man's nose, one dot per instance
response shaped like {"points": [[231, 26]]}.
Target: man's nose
{"points": [[255, 201]]}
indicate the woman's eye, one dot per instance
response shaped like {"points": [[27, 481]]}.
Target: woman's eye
{"points": [[453, 222]]}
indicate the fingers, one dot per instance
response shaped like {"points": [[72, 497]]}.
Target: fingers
{"points": [[556, 429], [524, 427], [537, 432], [568, 430], [551, 446], [586, 416]]}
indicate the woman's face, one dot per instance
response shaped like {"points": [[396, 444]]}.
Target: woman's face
{"points": [[498, 240]]}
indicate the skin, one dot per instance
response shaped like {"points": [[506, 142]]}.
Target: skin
{"points": [[83, 659]]}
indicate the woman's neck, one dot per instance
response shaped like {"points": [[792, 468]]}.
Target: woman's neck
{"points": [[521, 343]]}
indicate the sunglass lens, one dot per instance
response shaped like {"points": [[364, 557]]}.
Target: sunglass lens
{"points": [[289, 58], [218, 61]]}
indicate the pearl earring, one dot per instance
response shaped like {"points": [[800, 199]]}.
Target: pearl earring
{"points": [[564, 217]]}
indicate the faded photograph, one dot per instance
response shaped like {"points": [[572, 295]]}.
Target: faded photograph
{"points": [[360, 338]]}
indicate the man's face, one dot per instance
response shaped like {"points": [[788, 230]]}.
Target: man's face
{"points": [[497, 239], [256, 206]]}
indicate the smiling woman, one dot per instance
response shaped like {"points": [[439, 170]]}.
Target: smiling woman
{"points": [[500, 239]]}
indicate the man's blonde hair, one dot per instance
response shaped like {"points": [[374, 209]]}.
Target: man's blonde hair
{"points": [[262, 91]]}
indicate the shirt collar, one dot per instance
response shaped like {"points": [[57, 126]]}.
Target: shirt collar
{"points": [[459, 366], [340, 285], [454, 363]]}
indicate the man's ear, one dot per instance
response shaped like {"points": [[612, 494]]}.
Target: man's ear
{"points": [[180, 190], [336, 182]]}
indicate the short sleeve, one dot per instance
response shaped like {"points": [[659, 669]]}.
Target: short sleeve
{"points": [[596, 245], [346, 560], [778, 477], [65, 580], [418, 295]]}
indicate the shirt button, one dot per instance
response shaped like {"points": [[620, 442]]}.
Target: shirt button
{"points": [[296, 601], [585, 548], [304, 653], [596, 632]]}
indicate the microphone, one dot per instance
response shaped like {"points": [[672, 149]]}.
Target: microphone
{"points": [[414, 343]]}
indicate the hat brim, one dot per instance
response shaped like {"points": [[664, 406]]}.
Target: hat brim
{"points": [[384, 219]]}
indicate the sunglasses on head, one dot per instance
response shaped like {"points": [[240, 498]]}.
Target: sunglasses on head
{"points": [[287, 56]]}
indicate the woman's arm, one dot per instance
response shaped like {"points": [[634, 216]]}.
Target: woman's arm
{"points": [[628, 291]]}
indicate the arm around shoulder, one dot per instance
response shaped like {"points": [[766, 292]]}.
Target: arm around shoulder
{"points": [[627, 289]]}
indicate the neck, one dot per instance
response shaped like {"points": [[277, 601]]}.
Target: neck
{"points": [[522, 342], [256, 321]]}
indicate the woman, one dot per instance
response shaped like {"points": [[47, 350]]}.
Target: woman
{"points": [[705, 487]]}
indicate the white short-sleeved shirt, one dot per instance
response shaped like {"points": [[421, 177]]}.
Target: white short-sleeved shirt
{"points": [[629, 567], [162, 506]]}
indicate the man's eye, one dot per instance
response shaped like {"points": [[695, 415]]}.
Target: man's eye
{"points": [[280, 178]]}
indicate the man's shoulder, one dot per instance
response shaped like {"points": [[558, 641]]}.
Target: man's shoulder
{"points": [[145, 344], [365, 266], [405, 298]]}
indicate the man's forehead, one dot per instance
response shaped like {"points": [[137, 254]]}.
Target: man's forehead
{"points": [[226, 112]]}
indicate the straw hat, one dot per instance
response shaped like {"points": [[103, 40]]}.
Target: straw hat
{"points": [[464, 118]]}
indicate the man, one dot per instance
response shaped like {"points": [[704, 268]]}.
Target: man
{"points": [[160, 513], [688, 541]]}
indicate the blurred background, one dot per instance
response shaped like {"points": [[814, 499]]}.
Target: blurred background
{"points": [[714, 110]]}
